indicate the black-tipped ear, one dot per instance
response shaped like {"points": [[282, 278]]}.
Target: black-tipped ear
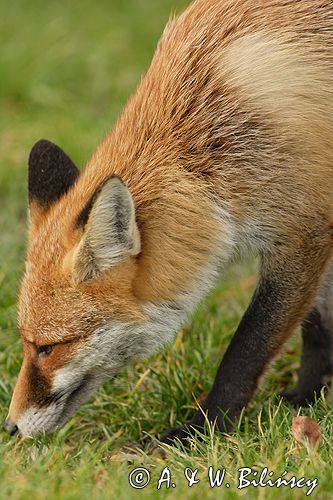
{"points": [[51, 173]]}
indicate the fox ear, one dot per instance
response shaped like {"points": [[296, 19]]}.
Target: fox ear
{"points": [[110, 230], [51, 175]]}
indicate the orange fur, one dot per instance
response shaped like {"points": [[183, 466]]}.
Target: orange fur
{"points": [[227, 143]]}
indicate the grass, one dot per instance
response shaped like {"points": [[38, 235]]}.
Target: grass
{"points": [[66, 70]]}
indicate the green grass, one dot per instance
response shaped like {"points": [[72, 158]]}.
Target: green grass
{"points": [[66, 69]]}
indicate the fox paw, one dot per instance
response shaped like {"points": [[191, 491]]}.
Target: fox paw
{"points": [[176, 434], [298, 398]]}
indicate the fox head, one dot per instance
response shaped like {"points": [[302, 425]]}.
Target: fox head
{"points": [[79, 319]]}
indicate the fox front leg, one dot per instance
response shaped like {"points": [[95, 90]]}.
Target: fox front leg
{"points": [[288, 283]]}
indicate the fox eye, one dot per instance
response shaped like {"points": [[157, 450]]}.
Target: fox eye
{"points": [[44, 350]]}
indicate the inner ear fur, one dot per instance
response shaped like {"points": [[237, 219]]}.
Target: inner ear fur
{"points": [[110, 232]]}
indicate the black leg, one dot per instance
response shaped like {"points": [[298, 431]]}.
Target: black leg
{"points": [[285, 293], [316, 363]]}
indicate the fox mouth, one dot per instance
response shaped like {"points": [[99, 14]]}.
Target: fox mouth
{"points": [[80, 389], [59, 407], [79, 395]]}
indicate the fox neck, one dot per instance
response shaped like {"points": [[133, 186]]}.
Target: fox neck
{"points": [[185, 240], [185, 234]]}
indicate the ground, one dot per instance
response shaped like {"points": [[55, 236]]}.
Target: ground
{"points": [[66, 70]]}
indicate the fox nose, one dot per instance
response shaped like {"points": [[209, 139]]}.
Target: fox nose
{"points": [[10, 427]]}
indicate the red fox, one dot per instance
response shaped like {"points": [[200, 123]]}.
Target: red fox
{"points": [[225, 148]]}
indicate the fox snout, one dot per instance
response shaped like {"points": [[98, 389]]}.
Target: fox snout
{"points": [[10, 427], [51, 413]]}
